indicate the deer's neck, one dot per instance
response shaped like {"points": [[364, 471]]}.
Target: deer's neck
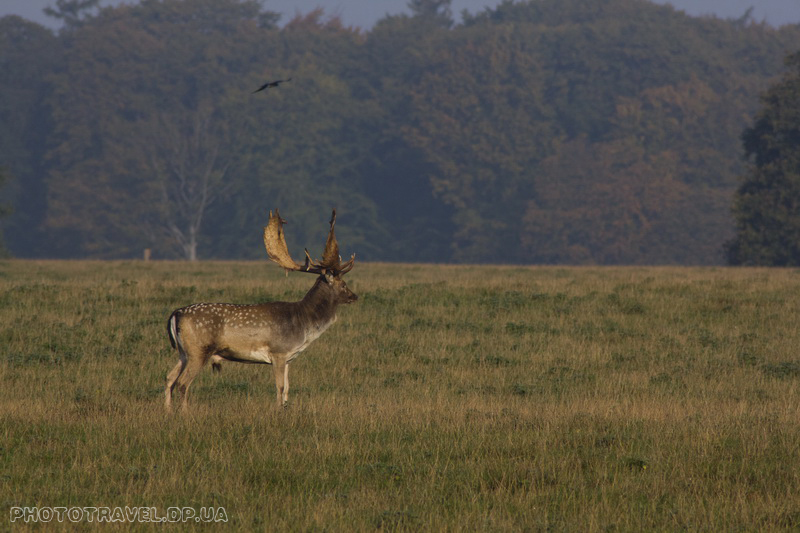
{"points": [[319, 303]]}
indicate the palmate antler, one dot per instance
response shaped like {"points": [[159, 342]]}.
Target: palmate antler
{"points": [[275, 243]]}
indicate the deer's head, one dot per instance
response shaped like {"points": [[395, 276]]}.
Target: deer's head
{"points": [[330, 268]]}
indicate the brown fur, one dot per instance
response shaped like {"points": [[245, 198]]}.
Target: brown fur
{"points": [[270, 333]]}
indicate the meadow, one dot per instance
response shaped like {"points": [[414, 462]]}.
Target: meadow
{"points": [[448, 398]]}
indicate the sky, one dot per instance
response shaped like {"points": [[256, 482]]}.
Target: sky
{"points": [[364, 13]]}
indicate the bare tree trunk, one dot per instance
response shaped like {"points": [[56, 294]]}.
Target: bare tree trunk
{"points": [[186, 159], [191, 253]]}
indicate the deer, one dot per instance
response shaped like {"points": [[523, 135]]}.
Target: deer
{"points": [[272, 333]]}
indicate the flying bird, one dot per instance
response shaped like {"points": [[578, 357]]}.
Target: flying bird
{"points": [[270, 84]]}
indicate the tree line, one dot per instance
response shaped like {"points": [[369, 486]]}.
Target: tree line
{"points": [[541, 131]]}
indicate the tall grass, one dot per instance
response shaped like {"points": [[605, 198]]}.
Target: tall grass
{"points": [[446, 398]]}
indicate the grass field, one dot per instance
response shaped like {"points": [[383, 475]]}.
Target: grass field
{"points": [[446, 398]]}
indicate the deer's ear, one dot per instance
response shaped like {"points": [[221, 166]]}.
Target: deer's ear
{"points": [[329, 277]]}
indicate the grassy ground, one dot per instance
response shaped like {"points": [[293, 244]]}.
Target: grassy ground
{"points": [[446, 398]]}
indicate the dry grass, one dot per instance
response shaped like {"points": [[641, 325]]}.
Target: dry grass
{"points": [[447, 398]]}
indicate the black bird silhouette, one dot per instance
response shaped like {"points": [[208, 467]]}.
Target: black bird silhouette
{"points": [[270, 84]]}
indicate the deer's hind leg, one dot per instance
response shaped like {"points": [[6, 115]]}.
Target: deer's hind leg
{"points": [[193, 367], [171, 378]]}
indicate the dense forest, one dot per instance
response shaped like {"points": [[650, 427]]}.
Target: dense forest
{"points": [[541, 131]]}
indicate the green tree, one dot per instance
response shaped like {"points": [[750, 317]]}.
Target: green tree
{"points": [[482, 122], [602, 203], [28, 55], [436, 12], [73, 13], [167, 140], [509, 95], [4, 212], [767, 204], [399, 54], [553, 131], [655, 192], [304, 148], [146, 140]]}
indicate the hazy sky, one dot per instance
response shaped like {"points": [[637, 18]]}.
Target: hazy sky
{"points": [[364, 13]]}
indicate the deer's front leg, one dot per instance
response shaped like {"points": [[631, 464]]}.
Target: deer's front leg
{"points": [[279, 368], [286, 384]]}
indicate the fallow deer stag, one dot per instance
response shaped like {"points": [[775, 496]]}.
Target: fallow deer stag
{"points": [[271, 333]]}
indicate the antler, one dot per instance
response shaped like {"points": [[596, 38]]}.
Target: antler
{"points": [[275, 242], [331, 260]]}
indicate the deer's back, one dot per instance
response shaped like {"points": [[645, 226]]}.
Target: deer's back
{"points": [[243, 332]]}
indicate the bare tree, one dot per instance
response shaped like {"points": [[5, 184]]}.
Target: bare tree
{"points": [[188, 158]]}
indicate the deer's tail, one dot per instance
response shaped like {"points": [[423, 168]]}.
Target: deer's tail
{"points": [[173, 331]]}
